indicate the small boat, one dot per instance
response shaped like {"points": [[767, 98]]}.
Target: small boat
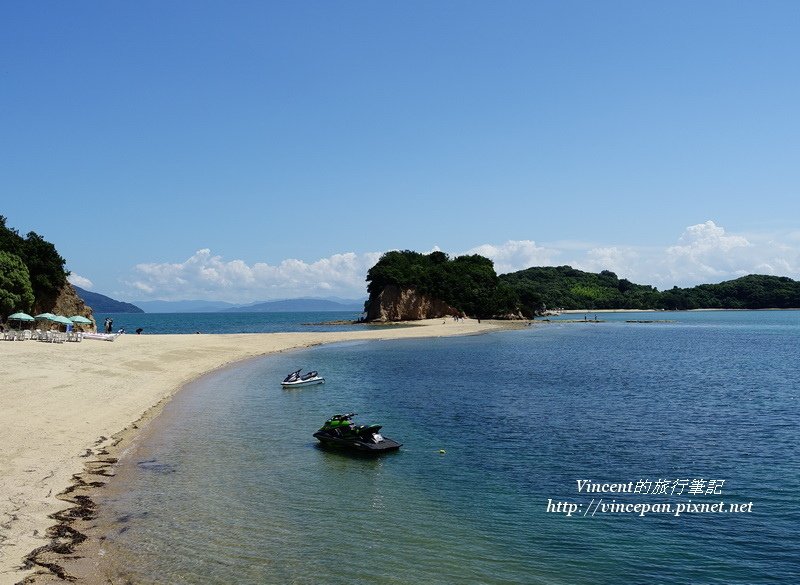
{"points": [[296, 379], [340, 431]]}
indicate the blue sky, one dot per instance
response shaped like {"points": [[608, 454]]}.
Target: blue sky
{"points": [[258, 150]]}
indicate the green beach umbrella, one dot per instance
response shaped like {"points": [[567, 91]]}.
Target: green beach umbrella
{"points": [[46, 316], [80, 320], [60, 319], [20, 317]]}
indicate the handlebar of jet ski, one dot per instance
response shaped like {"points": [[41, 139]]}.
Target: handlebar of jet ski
{"points": [[349, 415]]}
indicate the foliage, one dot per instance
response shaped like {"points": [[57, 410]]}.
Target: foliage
{"points": [[755, 291], [44, 264], [564, 287], [16, 293], [568, 288]]}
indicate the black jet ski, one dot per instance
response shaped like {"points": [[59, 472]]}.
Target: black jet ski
{"points": [[340, 431]]}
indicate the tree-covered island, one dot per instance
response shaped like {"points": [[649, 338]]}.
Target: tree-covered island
{"points": [[414, 285]]}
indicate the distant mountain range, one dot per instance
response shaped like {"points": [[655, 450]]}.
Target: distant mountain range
{"points": [[302, 305], [282, 306], [184, 306], [103, 304]]}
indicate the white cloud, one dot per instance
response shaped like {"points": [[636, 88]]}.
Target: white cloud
{"points": [[208, 276], [619, 259], [80, 281], [702, 253], [515, 255], [705, 253]]}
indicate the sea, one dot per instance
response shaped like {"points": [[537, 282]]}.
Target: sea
{"points": [[603, 451], [267, 322]]}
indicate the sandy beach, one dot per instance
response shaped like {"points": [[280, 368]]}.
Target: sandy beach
{"points": [[63, 404]]}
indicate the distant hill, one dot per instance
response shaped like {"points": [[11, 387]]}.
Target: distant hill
{"points": [[299, 305], [568, 288], [754, 291], [103, 304], [564, 287], [184, 306], [282, 306]]}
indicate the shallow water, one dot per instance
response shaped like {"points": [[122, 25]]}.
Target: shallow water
{"points": [[230, 486], [178, 323]]}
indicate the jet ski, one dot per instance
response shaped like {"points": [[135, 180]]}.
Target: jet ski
{"points": [[296, 379], [340, 431]]}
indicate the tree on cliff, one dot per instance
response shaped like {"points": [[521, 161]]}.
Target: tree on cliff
{"points": [[466, 283], [16, 293], [44, 264]]}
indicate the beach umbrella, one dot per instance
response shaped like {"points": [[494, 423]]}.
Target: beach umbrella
{"points": [[19, 317], [60, 319], [80, 320], [44, 317]]}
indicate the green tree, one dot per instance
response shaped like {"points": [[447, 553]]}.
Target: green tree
{"points": [[10, 240], [16, 292], [46, 266]]}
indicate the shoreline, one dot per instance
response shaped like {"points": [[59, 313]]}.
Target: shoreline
{"points": [[572, 311], [69, 410]]}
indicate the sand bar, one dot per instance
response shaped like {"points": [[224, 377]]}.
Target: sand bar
{"points": [[59, 404]]}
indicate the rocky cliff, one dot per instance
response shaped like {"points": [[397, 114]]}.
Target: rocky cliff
{"points": [[66, 303], [396, 303]]}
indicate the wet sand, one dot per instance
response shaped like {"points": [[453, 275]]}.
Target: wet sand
{"points": [[66, 410]]}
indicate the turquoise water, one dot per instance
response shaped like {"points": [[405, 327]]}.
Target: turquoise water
{"points": [[229, 486], [171, 323]]}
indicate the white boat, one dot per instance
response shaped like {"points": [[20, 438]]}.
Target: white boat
{"points": [[296, 379], [102, 336]]}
